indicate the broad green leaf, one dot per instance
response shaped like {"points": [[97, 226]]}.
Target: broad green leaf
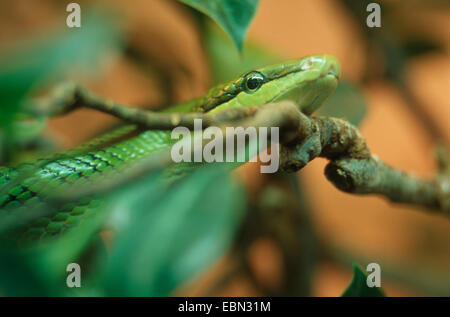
{"points": [[36, 63], [51, 258], [27, 131], [19, 278], [358, 286], [45, 59], [234, 16], [347, 102], [226, 63], [79, 245], [174, 235]]}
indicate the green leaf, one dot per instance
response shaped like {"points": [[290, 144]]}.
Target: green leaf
{"points": [[347, 102], [358, 286], [234, 16], [18, 277], [47, 59], [175, 234], [51, 259], [226, 63]]}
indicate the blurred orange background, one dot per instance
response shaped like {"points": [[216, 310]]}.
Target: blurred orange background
{"points": [[411, 246]]}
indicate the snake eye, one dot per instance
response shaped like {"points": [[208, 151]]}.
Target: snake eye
{"points": [[253, 81]]}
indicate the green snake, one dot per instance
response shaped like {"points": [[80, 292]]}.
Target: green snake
{"points": [[307, 81]]}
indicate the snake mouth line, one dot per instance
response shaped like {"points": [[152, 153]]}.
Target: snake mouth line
{"points": [[335, 75], [332, 73]]}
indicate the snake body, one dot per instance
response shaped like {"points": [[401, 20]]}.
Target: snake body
{"points": [[307, 81]]}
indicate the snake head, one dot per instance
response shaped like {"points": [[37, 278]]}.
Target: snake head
{"points": [[307, 81]]}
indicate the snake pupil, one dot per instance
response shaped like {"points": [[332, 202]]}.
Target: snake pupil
{"points": [[253, 81]]}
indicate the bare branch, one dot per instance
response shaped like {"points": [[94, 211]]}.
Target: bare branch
{"points": [[355, 170], [352, 167]]}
